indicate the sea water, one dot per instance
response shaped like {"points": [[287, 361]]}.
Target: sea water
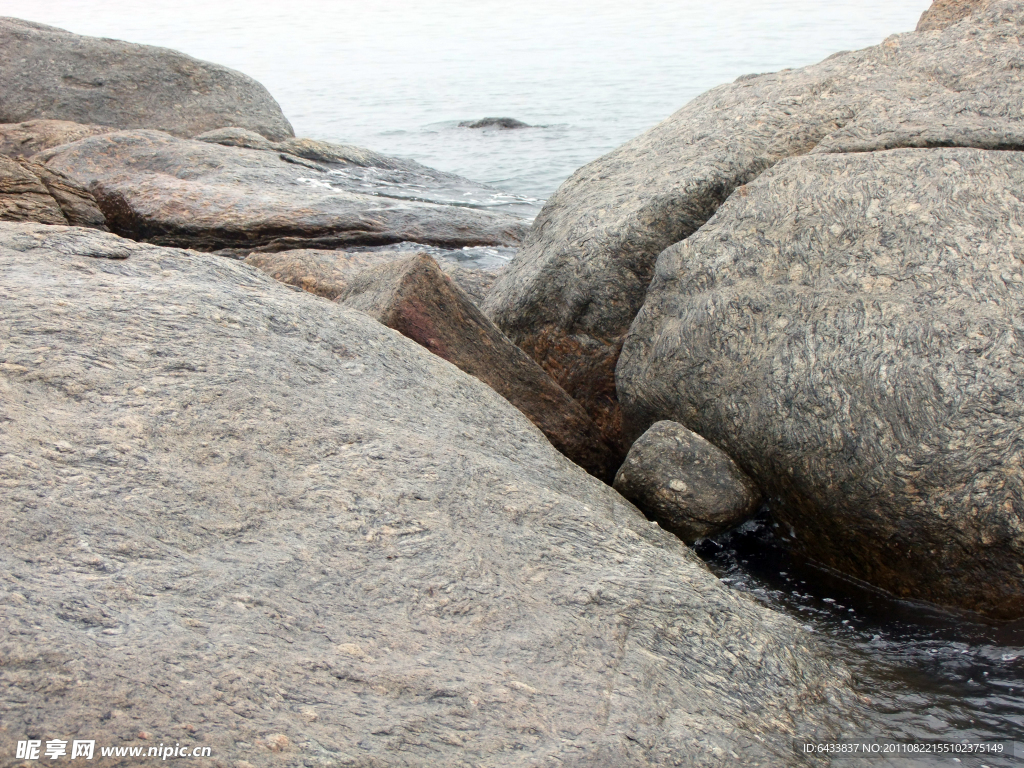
{"points": [[587, 75]]}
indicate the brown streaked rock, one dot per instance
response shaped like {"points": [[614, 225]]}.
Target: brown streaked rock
{"points": [[415, 298], [22, 140]]}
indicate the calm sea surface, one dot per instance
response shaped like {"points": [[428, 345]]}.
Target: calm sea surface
{"points": [[399, 76]]}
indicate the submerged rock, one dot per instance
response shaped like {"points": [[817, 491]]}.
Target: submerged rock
{"points": [[848, 329], [685, 483], [31, 192], [328, 273], [22, 140], [54, 74], [505, 123], [581, 276], [157, 188], [415, 298], [309, 540]]}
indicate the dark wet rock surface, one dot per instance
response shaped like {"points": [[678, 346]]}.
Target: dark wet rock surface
{"points": [[413, 296], [169, 191], [684, 482], [503, 123], [49, 73], [848, 329], [308, 540], [581, 276]]}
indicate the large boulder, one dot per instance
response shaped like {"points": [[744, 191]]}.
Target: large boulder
{"points": [[240, 517], [49, 73], [31, 192], [328, 273], [849, 329], [169, 191], [579, 279], [414, 297], [688, 485]]}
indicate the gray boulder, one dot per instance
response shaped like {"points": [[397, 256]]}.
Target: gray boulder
{"points": [[49, 73], [685, 483], [581, 276], [240, 517], [169, 191], [503, 123], [943, 13], [849, 329]]}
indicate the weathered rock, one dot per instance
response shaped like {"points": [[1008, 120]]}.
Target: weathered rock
{"points": [[579, 279], [309, 149], [415, 298], [32, 192], [22, 140], [53, 74], [160, 189], [849, 329], [328, 273], [505, 123], [685, 483], [307, 540], [943, 13]]}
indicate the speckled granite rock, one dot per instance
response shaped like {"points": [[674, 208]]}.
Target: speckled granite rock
{"points": [[849, 329], [579, 279], [169, 191], [415, 298], [31, 192], [239, 516], [943, 13], [53, 74], [685, 483], [327, 273], [22, 140]]}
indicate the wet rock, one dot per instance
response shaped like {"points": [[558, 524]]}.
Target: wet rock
{"points": [[848, 329], [296, 530], [328, 273], [22, 140], [415, 298], [579, 279], [685, 483], [53, 74], [169, 191], [31, 192], [505, 123]]}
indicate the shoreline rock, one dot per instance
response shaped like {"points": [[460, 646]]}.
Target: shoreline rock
{"points": [[50, 73]]}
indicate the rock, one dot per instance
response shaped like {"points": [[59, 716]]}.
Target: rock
{"points": [[848, 329], [169, 191], [505, 123], [414, 297], [327, 273], [581, 276], [685, 483], [31, 192], [943, 13], [22, 140], [295, 529], [53, 74], [310, 149]]}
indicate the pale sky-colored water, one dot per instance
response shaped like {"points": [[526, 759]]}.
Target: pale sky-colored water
{"points": [[398, 76]]}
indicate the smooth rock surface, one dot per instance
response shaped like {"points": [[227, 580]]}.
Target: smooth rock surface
{"points": [[414, 297], [49, 73], [328, 273], [31, 192], [579, 279], [849, 329], [169, 191], [504, 123], [238, 516], [685, 483], [22, 140]]}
